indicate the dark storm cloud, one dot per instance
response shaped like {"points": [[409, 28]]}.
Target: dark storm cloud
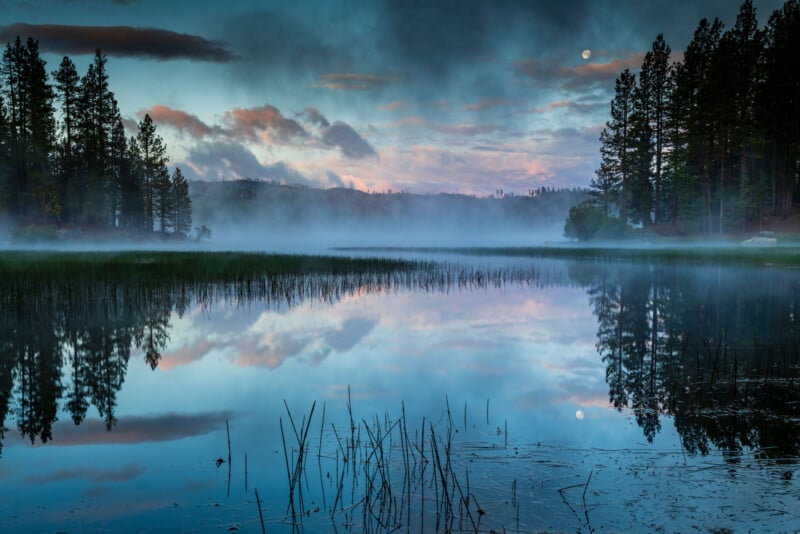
{"points": [[228, 159], [440, 37], [120, 41], [349, 142], [271, 41]]}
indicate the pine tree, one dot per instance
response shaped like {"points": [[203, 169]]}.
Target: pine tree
{"points": [[15, 91], [116, 173], [182, 218], [98, 115], [604, 189], [163, 200], [5, 156], [616, 144], [67, 88], [656, 73], [41, 135], [153, 155], [748, 50], [641, 196], [30, 128], [691, 117], [131, 189], [779, 98]]}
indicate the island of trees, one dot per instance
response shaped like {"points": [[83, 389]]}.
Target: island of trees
{"points": [[65, 160], [707, 144]]}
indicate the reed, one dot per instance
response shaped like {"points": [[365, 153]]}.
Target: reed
{"points": [[385, 479], [260, 513]]}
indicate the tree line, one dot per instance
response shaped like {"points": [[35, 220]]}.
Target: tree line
{"points": [[65, 158], [709, 143]]}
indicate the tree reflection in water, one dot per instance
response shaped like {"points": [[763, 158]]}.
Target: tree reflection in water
{"points": [[68, 322], [716, 348]]}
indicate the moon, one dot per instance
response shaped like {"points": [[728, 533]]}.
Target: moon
{"points": [[586, 54], [579, 415]]}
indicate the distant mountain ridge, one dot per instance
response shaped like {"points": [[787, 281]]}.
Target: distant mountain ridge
{"points": [[240, 203]]}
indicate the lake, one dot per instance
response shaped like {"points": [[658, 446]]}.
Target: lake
{"points": [[146, 393]]}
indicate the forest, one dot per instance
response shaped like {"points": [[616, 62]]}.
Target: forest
{"points": [[706, 141], [65, 160]]}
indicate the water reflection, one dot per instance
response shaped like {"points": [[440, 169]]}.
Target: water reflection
{"points": [[715, 348], [66, 332]]}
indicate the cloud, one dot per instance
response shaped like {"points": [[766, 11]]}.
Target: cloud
{"points": [[134, 429], [267, 120], [226, 159], [584, 76], [98, 476], [186, 355], [466, 129], [350, 334], [602, 73], [273, 348], [487, 103], [275, 42], [441, 41], [351, 81], [130, 125], [350, 143], [572, 105], [394, 104], [120, 41], [180, 120], [338, 181], [316, 118]]}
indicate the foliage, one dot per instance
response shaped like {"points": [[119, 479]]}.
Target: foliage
{"points": [[586, 221], [79, 169], [203, 233], [711, 142]]}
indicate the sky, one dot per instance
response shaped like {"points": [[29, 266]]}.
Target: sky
{"points": [[425, 96]]}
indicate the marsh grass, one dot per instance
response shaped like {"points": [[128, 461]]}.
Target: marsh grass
{"points": [[787, 256], [384, 478]]}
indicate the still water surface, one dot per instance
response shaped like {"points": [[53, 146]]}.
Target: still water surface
{"points": [[561, 395]]}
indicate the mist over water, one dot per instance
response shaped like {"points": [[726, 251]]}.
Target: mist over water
{"points": [[250, 215]]}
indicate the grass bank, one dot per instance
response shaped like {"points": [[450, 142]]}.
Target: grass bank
{"points": [[786, 256]]}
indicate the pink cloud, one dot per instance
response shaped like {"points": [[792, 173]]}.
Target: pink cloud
{"points": [[250, 123], [353, 81], [602, 71], [180, 120], [578, 76], [571, 105], [487, 103], [185, 355], [466, 129], [395, 104]]}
